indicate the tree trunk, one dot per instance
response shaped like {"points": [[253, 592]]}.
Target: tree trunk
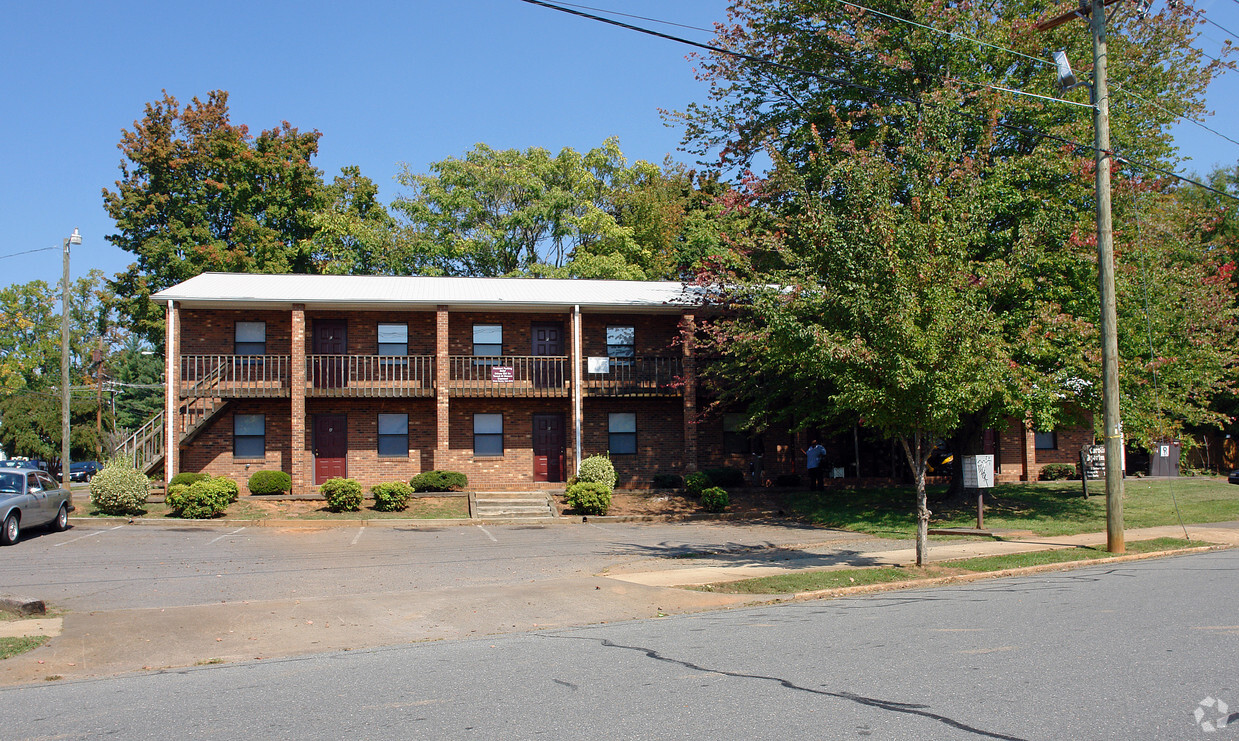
{"points": [[918, 459]]}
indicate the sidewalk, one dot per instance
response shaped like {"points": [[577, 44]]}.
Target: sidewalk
{"points": [[108, 642]]}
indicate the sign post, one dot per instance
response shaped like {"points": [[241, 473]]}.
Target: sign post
{"points": [[979, 475]]}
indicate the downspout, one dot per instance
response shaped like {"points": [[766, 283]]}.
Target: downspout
{"points": [[576, 385]]}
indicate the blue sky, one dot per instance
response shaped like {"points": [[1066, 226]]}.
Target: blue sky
{"points": [[384, 82]]}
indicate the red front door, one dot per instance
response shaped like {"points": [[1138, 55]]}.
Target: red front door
{"points": [[548, 340], [548, 447], [330, 447], [330, 338]]}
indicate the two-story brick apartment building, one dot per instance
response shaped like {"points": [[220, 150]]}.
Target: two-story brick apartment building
{"points": [[511, 381]]}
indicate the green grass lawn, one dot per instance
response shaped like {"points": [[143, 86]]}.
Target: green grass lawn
{"points": [[10, 647], [1046, 508], [813, 580]]}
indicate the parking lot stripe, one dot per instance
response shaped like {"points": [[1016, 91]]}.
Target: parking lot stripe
{"points": [[488, 533], [225, 535], [88, 535], [357, 537]]}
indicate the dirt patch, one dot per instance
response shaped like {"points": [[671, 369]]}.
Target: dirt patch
{"points": [[667, 503]]}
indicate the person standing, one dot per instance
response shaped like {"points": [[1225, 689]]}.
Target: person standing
{"points": [[815, 460]]}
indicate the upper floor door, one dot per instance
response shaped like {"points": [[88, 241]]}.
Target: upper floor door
{"points": [[548, 340], [330, 338]]}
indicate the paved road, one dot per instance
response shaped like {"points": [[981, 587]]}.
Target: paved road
{"points": [[120, 567], [1126, 651]]}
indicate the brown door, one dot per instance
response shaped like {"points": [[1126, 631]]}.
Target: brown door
{"points": [[548, 340], [548, 447], [330, 338], [330, 447]]}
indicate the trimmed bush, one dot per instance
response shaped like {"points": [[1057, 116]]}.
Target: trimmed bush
{"points": [[715, 499], [119, 489], [588, 498], [270, 482], [343, 495], [201, 499], [392, 497], [1057, 472], [725, 476], [188, 478], [667, 481], [696, 482], [439, 481], [787, 479], [233, 489], [597, 469]]}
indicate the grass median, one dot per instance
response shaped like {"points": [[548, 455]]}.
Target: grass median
{"points": [[810, 581], [1045, 508]]}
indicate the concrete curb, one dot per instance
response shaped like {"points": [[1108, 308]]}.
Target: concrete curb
{"points": [[398, 522], [22, 605], [968, 578]]}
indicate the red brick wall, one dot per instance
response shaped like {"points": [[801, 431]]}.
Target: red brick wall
{"points": [[660, 437], [211, 451], [654, 334], [363, 328], [515, 466], [780, 445], [213, 331], [517, 337]]}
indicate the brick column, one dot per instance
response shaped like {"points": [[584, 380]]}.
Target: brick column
{"points": [[687, 329], [1030, 452], [172, 394], [442, 376], [302, 460]]}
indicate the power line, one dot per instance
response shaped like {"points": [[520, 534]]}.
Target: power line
{"points": [[1201, 15], [869, 89], [645, 18], [27, 252]]}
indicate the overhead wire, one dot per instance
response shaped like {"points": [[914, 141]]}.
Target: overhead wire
{"points": [[869, 89], [27, 252]]}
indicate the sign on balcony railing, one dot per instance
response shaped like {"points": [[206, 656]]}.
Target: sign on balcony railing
{"points": [[508, 375], [502, 374], [640, 376]]}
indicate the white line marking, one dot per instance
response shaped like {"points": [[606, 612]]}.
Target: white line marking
{"points": [[488, 533], [88, 535], [595, 526], [225, 535], [357, 537]]}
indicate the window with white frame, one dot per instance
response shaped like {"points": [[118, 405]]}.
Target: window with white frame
{"points": [[488, 434], [488, 339], [621, 344], [249, 435], [393, 339], [622, 433], [393, 435], [250, 338]]}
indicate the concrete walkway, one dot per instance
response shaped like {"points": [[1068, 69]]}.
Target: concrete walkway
{"points": [[109, 642]]}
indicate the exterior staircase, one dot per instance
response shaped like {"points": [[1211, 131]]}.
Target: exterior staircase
{"points": [[145, 447], [514, 506]]}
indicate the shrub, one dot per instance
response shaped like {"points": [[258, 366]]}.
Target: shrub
{"points": [[667, 481], [188, 478], [201, 499], [725, 476], [270, 482], [439, 481], [597, 469], [234, 491], [787, 479], [392, 497], [343, 495], [588, 498], [696, 482], [715, 499], [119, 489], [1057, 472]]}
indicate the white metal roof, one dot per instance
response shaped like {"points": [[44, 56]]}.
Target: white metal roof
{"points": [[365, 291]]}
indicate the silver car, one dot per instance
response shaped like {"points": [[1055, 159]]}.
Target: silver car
{"points": [[29, 497]]}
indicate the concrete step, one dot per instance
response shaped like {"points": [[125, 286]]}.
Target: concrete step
{"points": [[512, 506], [531, 510]]}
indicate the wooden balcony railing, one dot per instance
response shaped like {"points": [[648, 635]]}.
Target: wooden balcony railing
{"points": [[640, 376], [369, 375], [508, 375], [233, 376]]}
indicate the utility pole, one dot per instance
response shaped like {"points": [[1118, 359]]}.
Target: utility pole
{"points": [[97, 359], [76, 238], [1112, 424]]}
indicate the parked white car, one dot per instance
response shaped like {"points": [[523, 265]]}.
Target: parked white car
{"points": [[29, 498]]}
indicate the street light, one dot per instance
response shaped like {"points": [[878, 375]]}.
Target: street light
{"points": [[75, 238]]}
